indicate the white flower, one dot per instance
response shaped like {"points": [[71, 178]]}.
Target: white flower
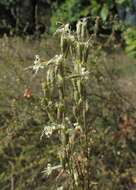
{"points": [[49, 129], [37, 65], [84, 73], [67, 28], [59, 30], [48, 171], [77, 127], [64, 29], [75, 124], [55, 60], [37, 59]]}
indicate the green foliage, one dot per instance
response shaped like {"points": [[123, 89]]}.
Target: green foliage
{"points": [[130, 39], [106, 8], [124, 2], [72, 10], [8, 3], [69, 11], [104, 12]]}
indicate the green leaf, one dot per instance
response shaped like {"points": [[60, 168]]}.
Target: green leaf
{"points": [[95, 7], [120, 1], [104, 12]]}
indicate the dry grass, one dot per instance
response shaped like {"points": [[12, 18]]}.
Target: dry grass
{"points": [[126, 68], [15, 55]]}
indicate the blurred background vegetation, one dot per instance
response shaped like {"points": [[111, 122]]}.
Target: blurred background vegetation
{"points": [[26, 27], [31, 16]]}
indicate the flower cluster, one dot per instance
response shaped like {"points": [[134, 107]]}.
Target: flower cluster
{"points": [[49, 129]]}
